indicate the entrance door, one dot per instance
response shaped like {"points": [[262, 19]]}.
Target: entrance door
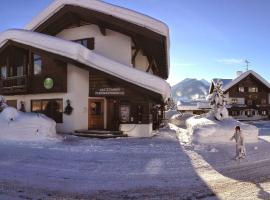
{"points": [[96, 114]]}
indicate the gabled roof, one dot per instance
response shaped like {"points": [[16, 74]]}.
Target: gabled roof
{"points": [[244, 75], [112, 14], [100, 6], [84, 56]]}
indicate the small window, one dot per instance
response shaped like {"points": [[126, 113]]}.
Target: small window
{"points": [[124, 113], [241, 89], [263, 101], [252, 89], [249, 102], [264, 112], [53, 108], [95, 108], [88, 43], [4, 72], [12, 103], [37, 64], [234, 101]]}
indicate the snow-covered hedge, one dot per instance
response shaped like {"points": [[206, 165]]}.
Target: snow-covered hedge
{"points": [[205, 129], [16, 125]]}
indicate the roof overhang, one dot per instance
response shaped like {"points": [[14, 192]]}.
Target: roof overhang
{"points": [[112, 16], [82, 55], [244, 75]]}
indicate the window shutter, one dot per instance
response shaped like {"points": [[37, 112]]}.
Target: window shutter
{"points": [[91, 43]]}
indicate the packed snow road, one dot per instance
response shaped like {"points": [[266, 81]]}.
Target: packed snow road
{"points": [[148, 168]]}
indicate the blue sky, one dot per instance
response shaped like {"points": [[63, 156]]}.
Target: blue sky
{"points": [[209, 38]]}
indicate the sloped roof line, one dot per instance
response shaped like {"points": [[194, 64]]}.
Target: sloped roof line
{"points": [[106, 8], [244, 75], [83, 55]]}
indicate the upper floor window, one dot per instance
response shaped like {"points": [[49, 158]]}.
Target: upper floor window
{"points": [[88, 43], [252, 89], [37, 64], [241, 89], [234, 101], [263, 101], [249, 102]]}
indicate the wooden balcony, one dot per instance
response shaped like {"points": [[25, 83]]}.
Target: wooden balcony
{"points": [[13, 85]]}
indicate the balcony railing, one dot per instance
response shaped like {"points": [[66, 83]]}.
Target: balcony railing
{"points": [[13, 84]]}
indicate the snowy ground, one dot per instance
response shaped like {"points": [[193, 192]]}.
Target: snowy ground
{"points": [[150, 168]]}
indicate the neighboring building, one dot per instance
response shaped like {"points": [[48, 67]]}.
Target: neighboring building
{"points": [[196, 107], [248, 96], [108, 63]]}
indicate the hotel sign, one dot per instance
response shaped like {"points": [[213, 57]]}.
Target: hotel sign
{"points": [[110, 92]]}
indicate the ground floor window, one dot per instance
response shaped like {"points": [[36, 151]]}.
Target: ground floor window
{"points": [[264, 112], [12, 103], [234, 113], [53, 108]]}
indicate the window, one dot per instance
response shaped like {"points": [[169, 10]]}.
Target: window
{"points": [[249, 102], [53, 108], [234, 113], [37, 64], [234, 101], [252, 89], [88, 43], [263, 101], [124, 113], [241, 89], [3, 72], [12, 103], [264, 112], [96, 108]]}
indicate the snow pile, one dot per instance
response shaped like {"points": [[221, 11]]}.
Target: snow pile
{"points": [[180, 119], [169, 113], [20, 126], [206, 130]]}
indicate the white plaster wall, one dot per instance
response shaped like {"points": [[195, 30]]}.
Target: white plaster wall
{"points": [[114, 45], [78, 89], [137, 130]]}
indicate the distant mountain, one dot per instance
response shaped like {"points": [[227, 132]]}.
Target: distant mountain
{"points": [[190, 89]]}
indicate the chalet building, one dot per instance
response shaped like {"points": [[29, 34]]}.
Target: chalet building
{"points": [[248, 96], [88, 65], [195, 107]]}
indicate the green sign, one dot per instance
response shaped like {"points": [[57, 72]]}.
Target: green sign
{"points": [[48, 83]]}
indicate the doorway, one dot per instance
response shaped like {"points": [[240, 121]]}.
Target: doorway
{"points": [[96, 114]]}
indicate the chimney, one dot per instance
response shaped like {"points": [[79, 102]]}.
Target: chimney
{"points": [[238, 73]]}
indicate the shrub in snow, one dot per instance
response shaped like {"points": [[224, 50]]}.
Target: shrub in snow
{"points": [[2, 103], [9, 113], [218, 103], [20, 126], [207, 130]]}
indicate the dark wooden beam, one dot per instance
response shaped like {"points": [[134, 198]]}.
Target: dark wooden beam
{"points": [[102, 29], [134, 57]]}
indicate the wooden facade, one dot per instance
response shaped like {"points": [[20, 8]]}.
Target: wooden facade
{"points": [[17, 72], [62, 83], [254, 96], [142, 104]]}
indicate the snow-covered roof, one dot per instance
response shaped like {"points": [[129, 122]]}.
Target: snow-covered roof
{"points": [[244, 75], [224, 81], [83, 55], [106, 8], [109, 9]]}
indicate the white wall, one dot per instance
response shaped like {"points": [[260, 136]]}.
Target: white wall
{"points": [[77, 92], [114, 45], [137, 130]]}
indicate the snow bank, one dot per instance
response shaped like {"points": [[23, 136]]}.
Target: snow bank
{"points": [[20, 126], [208, 130], [180, 119], [170, 113]]}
